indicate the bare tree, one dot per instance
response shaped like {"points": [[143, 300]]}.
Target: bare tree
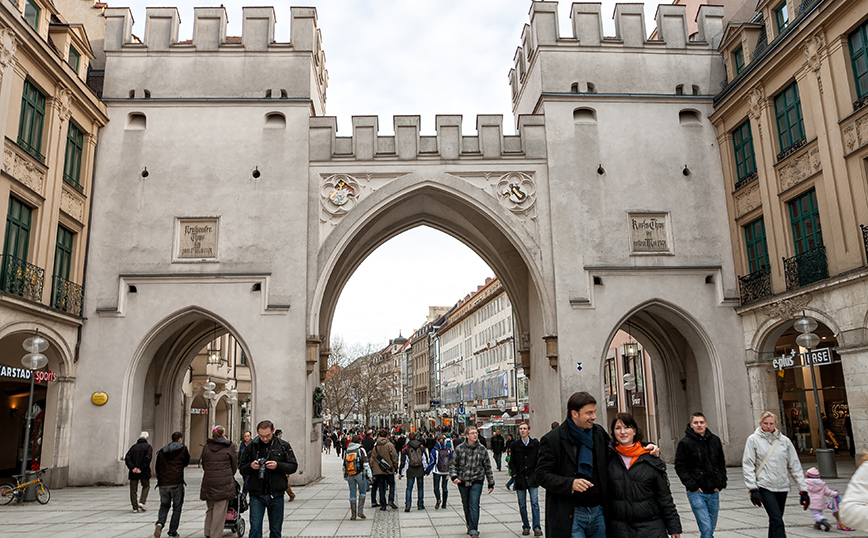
{"points": [[340, 400], [375, 385]]}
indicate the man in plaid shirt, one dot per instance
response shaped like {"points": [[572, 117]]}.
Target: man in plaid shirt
{"points": [[469, 469]]}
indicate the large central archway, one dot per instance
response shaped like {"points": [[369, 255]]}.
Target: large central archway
{"points": [[458, 208]]}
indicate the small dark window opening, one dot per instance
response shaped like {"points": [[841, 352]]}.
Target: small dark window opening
{"points": [[133, 289], [598, 281], [574, 88], [679, 90], [592, 88], [695, 89]]}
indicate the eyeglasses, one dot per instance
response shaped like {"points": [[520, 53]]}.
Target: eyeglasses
{"points": [[266, 437]]}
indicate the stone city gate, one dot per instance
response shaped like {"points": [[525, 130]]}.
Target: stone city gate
{"points": [[226, 198]]}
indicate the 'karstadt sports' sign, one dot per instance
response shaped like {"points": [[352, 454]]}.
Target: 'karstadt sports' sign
{"points": [[24, 374]]}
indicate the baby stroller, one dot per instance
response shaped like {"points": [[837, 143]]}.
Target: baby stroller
{"points": [[234, 522]]}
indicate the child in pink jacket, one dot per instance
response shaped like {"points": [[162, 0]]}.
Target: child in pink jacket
{"points": [[817, 492]]}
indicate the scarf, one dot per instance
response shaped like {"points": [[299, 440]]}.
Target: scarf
{"points": [[585, 440], [632, 451]]}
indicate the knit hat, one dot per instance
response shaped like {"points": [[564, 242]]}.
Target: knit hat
{"points": [[813, 473]]}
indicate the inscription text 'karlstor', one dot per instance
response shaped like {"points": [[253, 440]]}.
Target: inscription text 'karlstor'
{"points": [[197, 239], [649, 233]]}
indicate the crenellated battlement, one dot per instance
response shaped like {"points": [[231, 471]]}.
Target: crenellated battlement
{"points": [[158, 65], [449, 143], [595, 68]]}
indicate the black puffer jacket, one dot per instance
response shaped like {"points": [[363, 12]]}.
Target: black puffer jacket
{"points": [[639, 502], [219, 462], [171, 460], [523, 462], [275, 480], [699, 461]]}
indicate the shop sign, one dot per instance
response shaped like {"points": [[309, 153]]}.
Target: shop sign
{"points": [[99, 398], [23, 373], [611, 401], [198, 411], [816, 357], [637, 399]]}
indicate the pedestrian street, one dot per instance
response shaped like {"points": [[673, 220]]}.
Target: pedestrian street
{"points": [[322, 509]]}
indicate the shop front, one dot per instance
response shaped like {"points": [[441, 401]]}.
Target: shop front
{"points": [[14, 397], [796, 395]]}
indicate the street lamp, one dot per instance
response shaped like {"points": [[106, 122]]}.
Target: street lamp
{"points": [[34, 360], [209, 395], [825, 456], [631, 351]]}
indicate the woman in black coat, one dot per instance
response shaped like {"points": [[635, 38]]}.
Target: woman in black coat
{"points": [[219, 462], [639, 501]]}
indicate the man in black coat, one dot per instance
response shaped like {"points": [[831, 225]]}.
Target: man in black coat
{"points": [[701, 467], [171, 460], [523, 459], [572, 469], [267, 482], [138, 461], [498, 447]]}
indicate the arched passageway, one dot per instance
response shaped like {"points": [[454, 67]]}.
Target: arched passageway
{"points": [[501, 238]]}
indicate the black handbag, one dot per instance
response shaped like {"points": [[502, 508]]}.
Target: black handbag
{"points": [[385, 466]]}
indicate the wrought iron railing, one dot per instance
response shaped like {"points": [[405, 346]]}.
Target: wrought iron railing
{"points": [[865, 239], [31, 150], [806, 268], [21, 278], [794, 147], [755, 286], [67, 296], [745, 180]]}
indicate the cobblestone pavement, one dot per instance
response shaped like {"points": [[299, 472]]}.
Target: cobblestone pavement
{"points": [[322, 509]]}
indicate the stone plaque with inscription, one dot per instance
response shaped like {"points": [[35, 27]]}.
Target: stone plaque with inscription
{"points": [[649, 233], [196, 239]]}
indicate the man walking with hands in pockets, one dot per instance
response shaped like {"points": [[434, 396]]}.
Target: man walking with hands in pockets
{"points": [[469, 469]]}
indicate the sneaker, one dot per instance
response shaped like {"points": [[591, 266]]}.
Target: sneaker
{"points": [[135, 509], [537, 532], [158, 530], [142, 507], [525, 532]]}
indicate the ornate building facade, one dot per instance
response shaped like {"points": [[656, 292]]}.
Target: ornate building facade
{"points": [[791, 128]]}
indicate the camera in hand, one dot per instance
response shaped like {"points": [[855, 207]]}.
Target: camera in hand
{"points": [[261, 462]]}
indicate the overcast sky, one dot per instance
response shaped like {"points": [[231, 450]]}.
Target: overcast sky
{"points": [[388, 57]]}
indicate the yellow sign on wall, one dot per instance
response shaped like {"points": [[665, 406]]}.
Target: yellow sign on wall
{"points": [[99, 398]]}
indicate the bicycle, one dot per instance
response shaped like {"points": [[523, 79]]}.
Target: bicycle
{"points": [[8, 492]]}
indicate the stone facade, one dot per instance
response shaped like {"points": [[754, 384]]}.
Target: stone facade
{"points": [[582, 239]]}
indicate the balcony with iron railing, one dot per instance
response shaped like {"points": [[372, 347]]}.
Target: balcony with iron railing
{"points": [[20, 278], [67, 296], [806, 268], [755, 286]]}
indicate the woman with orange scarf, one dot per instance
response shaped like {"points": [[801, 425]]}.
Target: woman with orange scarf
{"points": [[639, 503]]}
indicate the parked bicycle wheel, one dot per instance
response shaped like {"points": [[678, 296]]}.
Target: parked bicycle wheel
{"points": [[42, 493], [7, 493]]}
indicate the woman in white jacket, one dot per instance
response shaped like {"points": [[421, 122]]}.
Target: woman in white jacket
{"points": [[769, 461], [853, 510]]}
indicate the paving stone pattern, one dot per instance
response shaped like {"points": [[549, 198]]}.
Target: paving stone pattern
{"points": [[322, 509]]}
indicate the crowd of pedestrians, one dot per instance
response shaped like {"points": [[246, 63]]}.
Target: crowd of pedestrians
{"points": [[599, 484]]}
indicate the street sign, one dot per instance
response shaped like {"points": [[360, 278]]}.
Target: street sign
{"points": [[817, 357], [461, 410]]}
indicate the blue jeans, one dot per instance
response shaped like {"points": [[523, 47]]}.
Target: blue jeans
{"points": [[587, 523], [420, 491], [441, 481], [383, 480], [258, 506], [171, 496], [357, 482], [705, 507], [534, 507], [470, 496], [497, 459]]}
